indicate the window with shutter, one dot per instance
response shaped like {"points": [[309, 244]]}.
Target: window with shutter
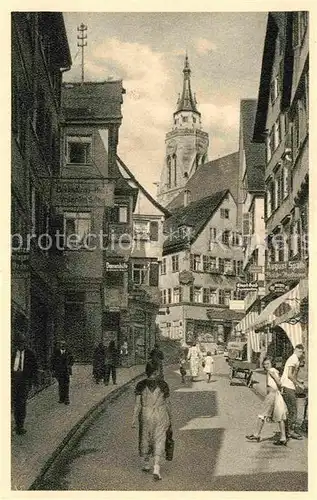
{"points": [[154, 230], [154, 274]]}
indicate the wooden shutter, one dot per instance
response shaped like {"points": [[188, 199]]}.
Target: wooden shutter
{"points": [[154, 274], [154, 230]]}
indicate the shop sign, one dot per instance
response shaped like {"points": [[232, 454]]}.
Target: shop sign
{"points": [[118, 267], [247, 287], [286, 270], [72, 192], [236, 305], [255, 269], [186, 277], [278, 287]]}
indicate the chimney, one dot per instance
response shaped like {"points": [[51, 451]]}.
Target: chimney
{"points": [[186, 197]]}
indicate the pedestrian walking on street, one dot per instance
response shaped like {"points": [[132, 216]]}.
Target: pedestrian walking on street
{"points": [[153, 412], [208, 366], [274, 408], [61, 366], [157, 356], [98, 365], [182, 367], [24, 373], [291, 384], [194, 356], [111, 363]]}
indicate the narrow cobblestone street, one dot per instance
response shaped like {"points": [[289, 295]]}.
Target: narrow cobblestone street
{"points": [[211, 452]]}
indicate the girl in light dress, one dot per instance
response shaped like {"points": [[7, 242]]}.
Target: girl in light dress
{"points": [[274, 407], [152, 411], [208, 366], [194, 356]]}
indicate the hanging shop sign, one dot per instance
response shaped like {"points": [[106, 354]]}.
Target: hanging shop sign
{"points": [[278, 288], [116, 267], [286, 270], [247, 287]]}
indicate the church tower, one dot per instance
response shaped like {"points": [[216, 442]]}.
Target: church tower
{"points": [[186, 144]]}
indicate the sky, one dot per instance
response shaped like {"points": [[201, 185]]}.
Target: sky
{"points": [[147, 50]]}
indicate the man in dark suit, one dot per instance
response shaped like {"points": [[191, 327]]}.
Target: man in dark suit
{"points": [[24, 373], [61, 365]]}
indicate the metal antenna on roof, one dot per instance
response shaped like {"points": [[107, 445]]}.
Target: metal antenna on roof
{"points": [[81, 37]]}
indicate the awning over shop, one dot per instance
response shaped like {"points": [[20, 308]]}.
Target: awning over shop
{"points": [[245, 325], [283, 308], [293, 331]]}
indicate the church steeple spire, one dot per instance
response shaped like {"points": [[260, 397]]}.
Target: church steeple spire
{"points": [[187, 102]]}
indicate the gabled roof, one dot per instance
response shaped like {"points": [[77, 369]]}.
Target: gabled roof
{"points": [[130, 177], [194, 216], [210, 178], [254, 153], [92, 101]]}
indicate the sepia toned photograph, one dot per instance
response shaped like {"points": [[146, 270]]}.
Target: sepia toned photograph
{"points": [[159, 251]]}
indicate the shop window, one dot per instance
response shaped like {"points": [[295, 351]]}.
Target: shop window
{"points": [[79, 150], [77, 227]]}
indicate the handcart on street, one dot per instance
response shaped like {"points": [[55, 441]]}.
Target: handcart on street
{"points": [[239, 367], [241, 370]]}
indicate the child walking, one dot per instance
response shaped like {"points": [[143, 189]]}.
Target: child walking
{"points": [[208, 366]]}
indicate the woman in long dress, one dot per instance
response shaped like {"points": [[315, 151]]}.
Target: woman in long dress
{"points": [[194, 356], [152, 409], [274, 408]]}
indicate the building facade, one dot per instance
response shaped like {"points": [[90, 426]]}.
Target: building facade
{"points": [[251, 223], [82, 197], [186, 144], [202, 261], [40, 55], [144, 298], [282, 124]]}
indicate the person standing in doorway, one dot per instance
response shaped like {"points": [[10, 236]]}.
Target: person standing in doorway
{"points": [[61, 365], [290, 384], [111, 363], [157, 357], [24, 373]]}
